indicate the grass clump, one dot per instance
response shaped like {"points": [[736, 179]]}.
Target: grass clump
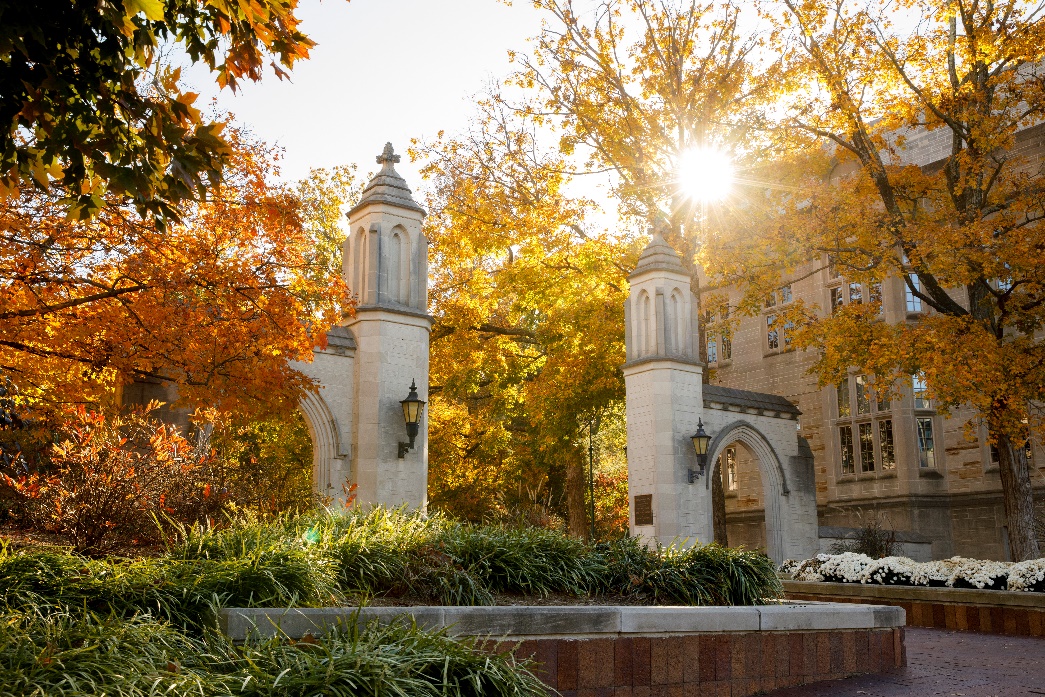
{"points": [[84, 655], [72, 625], [180, 591], [340, 558], [398, 555]]}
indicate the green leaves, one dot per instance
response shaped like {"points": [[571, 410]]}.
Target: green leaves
{"points": [[87, 108]]}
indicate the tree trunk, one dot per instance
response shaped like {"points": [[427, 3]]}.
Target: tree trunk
{"points": [[1019, 499], [576, 483], [718, 505]]}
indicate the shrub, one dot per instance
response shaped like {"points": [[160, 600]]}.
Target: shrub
{"points": [[262, 462], [113, 480], [871, 540]]}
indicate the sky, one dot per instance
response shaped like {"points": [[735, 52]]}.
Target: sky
{"points": [[383, 70]]}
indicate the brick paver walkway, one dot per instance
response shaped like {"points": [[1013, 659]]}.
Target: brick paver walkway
{"points": [[943, 663]]}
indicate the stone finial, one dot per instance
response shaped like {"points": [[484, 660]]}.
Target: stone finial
{"points": [[388, 156], [661, 227], [387, 186]]}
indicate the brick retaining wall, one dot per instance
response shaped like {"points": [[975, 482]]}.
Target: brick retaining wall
{"points": [[726, 664], [637, 651], [993, 612]]}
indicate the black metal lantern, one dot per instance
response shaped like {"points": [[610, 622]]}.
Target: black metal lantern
{"points": [[701, 441], [413, 407]]}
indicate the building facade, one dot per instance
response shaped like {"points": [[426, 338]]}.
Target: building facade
{"points": [[898, 461]]}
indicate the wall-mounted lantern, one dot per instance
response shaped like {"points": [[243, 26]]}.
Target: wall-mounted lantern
{"points": [[701, 441], [413, 407]]}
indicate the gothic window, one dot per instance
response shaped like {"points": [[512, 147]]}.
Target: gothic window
{"points": [[837, 299], [359, 264], [885, 440], [772, 335], [921, 392], [675, 322], [731, 469], [914, 303], [866, 448], [865, 428], [843, 398], [882, 402], [395, 268], [926, 443], [845, 438], [1028, 452], [863, 395], [645, 325]]}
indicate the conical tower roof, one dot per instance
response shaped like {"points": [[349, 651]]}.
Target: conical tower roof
{"points": [[387, 186], [658, 256]]}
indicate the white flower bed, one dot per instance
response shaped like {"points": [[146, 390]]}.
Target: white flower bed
{"points": [[956, 572]]}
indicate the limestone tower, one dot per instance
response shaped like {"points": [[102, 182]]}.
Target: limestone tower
{"points": [[386, 266], [663, 376]]}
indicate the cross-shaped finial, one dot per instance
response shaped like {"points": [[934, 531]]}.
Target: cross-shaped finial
{"points": [[388, 155]]}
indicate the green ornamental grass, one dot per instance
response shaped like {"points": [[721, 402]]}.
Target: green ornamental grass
{"points": [[71, 625], [78, 655]]}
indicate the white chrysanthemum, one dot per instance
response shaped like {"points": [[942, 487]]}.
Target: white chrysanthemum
{"points": [[851, 567]]}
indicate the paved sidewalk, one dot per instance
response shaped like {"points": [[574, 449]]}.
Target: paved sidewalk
{"points": [[942, 663]]}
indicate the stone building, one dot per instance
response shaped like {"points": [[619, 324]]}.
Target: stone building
{"points": [[897, 461]]}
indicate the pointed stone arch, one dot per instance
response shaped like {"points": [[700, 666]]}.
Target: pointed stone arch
{"points": [[774, 479], [328, 444]]}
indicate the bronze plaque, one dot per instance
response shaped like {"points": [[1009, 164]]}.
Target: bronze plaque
{"points": [[644, 509]]}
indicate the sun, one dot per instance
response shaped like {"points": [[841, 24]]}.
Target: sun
{"points": [[705, 174]]}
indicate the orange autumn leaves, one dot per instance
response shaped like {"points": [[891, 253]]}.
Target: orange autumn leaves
{"points": [[217, 303]]}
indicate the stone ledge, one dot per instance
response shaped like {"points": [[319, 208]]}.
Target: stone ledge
{"points": [[574, 622], [963, 596]]}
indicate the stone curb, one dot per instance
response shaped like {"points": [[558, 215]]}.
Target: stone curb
{"points": [[573, 622]]}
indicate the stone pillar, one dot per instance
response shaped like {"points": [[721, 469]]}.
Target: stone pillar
{"points": [[386, 267], [663, 377]]}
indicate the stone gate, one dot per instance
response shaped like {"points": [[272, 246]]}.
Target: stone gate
{"points": [[355, 419], [666, 399]]}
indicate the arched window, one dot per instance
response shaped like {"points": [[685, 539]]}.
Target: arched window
{"points": [[395, 268], [646, 325], [675, 322], [358, 265]]}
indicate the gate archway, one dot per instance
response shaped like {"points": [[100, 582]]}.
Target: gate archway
{"points": [[774, 481], [328, 446]]}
